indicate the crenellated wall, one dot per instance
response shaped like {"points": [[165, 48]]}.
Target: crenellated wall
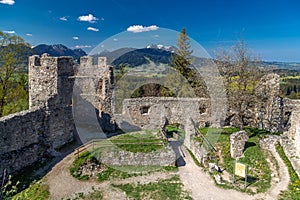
{"points": [[28, 136]]}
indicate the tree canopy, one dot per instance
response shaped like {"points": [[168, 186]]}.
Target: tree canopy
{"points": [[13, 74]]}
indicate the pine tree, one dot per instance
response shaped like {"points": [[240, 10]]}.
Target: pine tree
{"points": [[182, 57]]}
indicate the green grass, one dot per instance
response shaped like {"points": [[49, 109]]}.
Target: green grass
{"points": [[78, 162], [123, 172], [290, 77], [114, 172], [138, 142], [26, 177], [171, 189], [259, 173], [293, 191], [199, 164], [174, 129], [91, 196], [36, 191]]}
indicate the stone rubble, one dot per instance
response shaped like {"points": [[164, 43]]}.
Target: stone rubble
{"points": [[237, 143]]}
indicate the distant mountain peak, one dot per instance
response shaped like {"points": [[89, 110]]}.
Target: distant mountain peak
{"points": [[162, 47], [58, 50]]}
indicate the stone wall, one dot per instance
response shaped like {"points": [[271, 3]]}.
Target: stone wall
{"points": [[291, 137], [93, 92], [146, 113], [199, 151], [164, 157], [51, 81], [237, 144], [23, 139], [268, 104], [49, 123], [28, 136]]}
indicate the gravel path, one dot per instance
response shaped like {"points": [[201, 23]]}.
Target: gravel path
{"points": [[62, 185], [284, 179], [202, 187]]}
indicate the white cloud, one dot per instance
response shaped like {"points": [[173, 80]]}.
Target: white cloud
{"points": [[75, 38], [64, 18], [88, 18], [9, 32], [9, 2], [156, 36], [115, 39], [92, 29], [102, 18], [140, 28], [82, 46], [29, 34]]}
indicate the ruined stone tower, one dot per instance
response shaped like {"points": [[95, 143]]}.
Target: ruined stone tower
{"points": [[51, 82], [93, 93]]}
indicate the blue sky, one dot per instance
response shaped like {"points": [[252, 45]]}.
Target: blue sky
{"points": [[270, 27]]}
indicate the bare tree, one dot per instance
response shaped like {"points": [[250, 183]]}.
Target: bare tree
{"points": [[241, 72]]}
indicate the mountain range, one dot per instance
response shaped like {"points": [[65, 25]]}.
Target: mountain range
{"points": [[58, 50], [135, 57]]}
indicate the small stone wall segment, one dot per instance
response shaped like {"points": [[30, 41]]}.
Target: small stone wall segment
{"points": [[269, 142], [199, 151], [165, 157], [189, 129], [237, 143]]}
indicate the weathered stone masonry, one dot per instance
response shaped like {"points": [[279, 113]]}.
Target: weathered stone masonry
{"points": [[28, 136]]}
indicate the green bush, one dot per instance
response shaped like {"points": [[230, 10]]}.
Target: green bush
{"points": [[36, 191], [78, 162]]}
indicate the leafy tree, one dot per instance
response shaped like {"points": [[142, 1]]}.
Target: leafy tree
{"points": [[13, 82]]}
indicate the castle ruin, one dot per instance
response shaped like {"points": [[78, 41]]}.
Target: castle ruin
{"points": [[49, 123]]}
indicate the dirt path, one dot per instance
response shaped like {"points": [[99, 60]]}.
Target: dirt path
{"points": [[284, 179], [202, 187], [63, 185]]}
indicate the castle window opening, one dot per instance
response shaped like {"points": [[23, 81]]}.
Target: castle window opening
{"points": [[144, 110]]}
